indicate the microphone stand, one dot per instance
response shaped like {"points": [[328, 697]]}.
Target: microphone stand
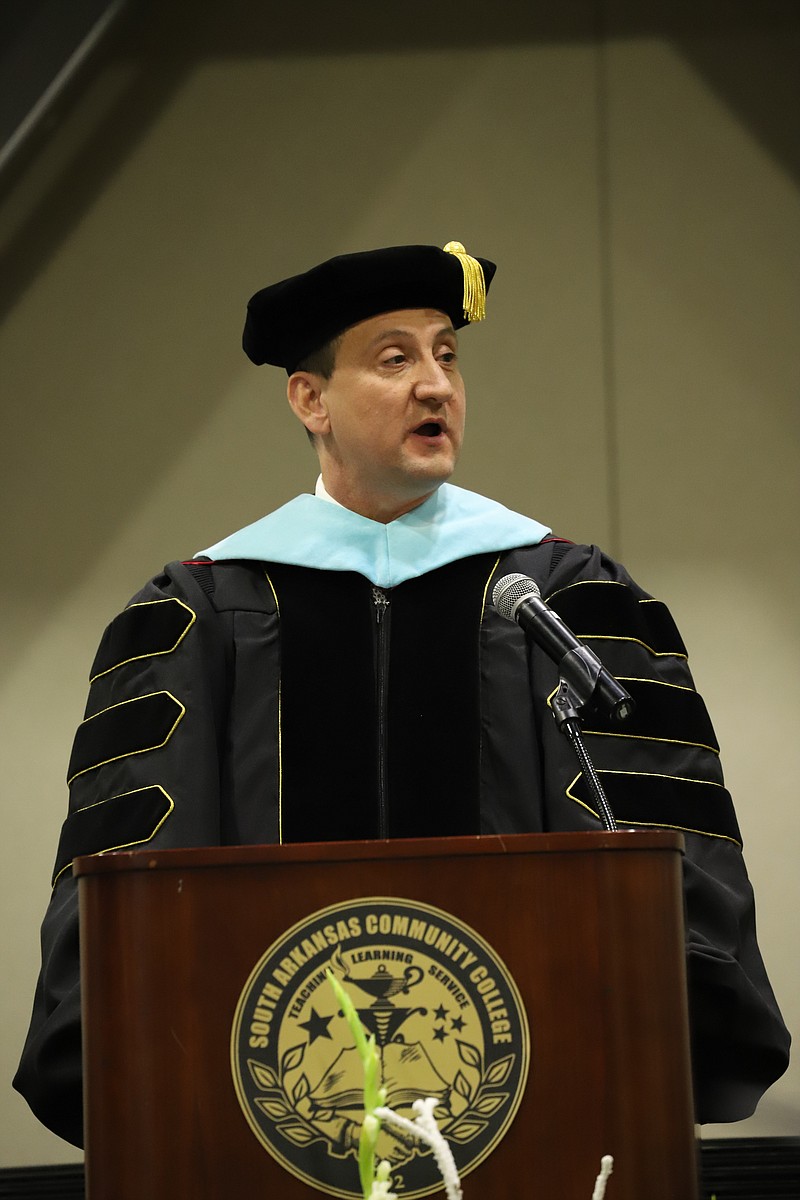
{"points": [[575, 689], [582, 677]]}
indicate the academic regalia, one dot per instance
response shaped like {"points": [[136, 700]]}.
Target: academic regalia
{"points": [[320, 676]]}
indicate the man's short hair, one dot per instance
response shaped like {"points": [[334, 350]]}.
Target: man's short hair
{"points": [[322, 361]]}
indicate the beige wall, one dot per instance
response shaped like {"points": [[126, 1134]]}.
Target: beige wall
{"points": [[636, 384]]}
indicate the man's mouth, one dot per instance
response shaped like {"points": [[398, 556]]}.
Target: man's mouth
{"points": [[429, 429]]}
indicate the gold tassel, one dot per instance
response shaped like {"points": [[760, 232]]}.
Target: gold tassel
{"points": [[474, 282]]}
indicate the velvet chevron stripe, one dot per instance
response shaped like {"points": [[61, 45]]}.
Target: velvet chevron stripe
{"points": [[661, 801], [113, 824], [606, 609], [663, 712], [132, 727], [142, 631]]}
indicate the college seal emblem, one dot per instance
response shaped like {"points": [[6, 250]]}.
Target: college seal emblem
{"points": [[448, 1021]]}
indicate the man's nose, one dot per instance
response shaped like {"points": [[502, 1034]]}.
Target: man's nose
{"points": [[435, 384]]}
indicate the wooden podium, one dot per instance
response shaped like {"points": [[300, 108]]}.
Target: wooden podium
{"points": [[535, 982]]}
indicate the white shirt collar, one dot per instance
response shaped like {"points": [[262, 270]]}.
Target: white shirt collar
{"points": [[322, 493]]}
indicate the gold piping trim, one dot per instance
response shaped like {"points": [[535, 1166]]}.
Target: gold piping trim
{"points": [[280, 725], [488, 581], [125, 845], [641, 737], [680, 687], [605, 637], [130, 753], [154, 653], [723, 837], [603, 582], [636, 641], [656, 775]]}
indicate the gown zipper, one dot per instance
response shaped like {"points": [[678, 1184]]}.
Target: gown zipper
{"points": [[380, 603]]}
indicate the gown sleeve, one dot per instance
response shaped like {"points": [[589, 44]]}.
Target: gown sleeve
{"points": [[662, 768], [144, 770]]}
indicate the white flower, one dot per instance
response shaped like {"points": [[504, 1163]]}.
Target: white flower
{"points": [[371, 1126], [425, 1129], [382, 1183], [606, 1167]]}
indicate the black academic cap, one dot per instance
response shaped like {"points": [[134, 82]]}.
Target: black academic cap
{"points": [[289, 320]]}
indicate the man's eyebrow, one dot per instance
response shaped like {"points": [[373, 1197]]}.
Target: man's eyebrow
{"points": [[389, 334]]}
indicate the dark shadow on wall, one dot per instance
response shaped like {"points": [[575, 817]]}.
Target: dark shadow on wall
{"points": [[749, 54]]}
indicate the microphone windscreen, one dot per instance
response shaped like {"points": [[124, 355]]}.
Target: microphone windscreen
{"points": [[509, 592]]}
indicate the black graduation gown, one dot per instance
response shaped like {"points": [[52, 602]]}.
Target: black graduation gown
{"points": [[236, 703]]}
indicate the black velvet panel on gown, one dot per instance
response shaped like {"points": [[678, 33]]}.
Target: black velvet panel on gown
{"points": [[329, 703]]}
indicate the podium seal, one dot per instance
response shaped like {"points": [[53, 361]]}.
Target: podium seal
{"points": [[448, 1021]]}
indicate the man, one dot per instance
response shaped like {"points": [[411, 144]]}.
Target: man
{"points": [[336, 671]]}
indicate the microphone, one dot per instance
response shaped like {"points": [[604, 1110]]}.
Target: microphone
{"points": [[517, 598]]}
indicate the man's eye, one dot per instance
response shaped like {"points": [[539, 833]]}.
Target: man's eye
{"points": [[448, 356], [395, 359]]}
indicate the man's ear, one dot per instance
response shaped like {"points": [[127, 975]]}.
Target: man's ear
{"points": [[304, 393]]}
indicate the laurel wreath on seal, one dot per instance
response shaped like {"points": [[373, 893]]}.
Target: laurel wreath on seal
{"points": [[278, 1100], [277, 1103], [484, 1099]]}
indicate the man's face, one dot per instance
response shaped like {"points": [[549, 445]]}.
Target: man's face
{"points": [[393, 412]]}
